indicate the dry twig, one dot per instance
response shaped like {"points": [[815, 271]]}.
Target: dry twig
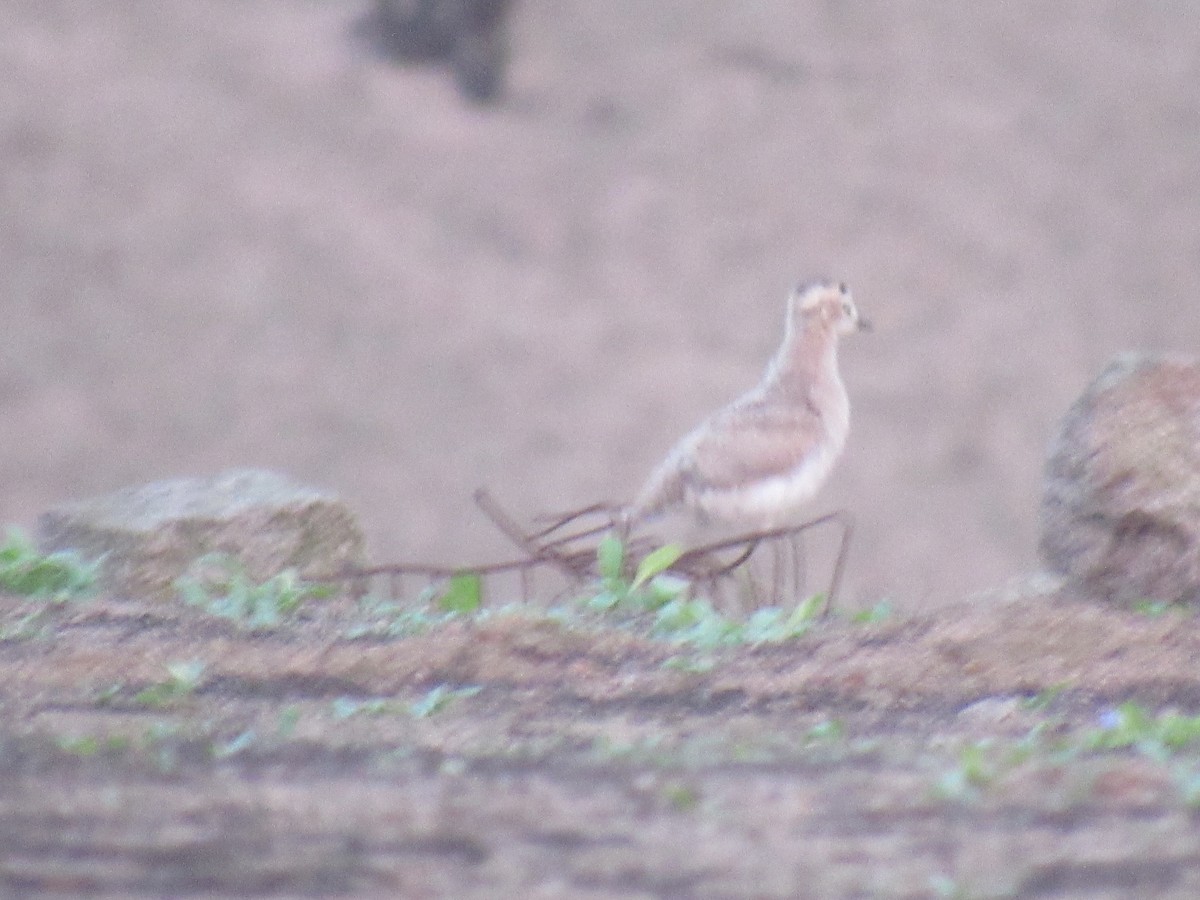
{"points": [[566, 546]]}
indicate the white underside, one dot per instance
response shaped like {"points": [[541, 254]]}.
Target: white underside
{"points": [[771, 503]]}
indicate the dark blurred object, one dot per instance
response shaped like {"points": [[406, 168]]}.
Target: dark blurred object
{"points": [[470, 34]]}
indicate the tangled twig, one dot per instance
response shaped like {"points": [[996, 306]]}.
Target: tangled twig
{"points": [[566, 546]]}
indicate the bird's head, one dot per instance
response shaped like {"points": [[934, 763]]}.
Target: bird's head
{"points": [[828, 303]]}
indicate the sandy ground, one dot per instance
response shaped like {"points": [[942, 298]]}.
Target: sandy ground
{"points": [[233, 234], [943, 755]]}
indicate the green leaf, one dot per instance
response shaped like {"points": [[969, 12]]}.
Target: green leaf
{"points": [[438, 698], [186, 673], [663, 589], [604, 601], [763, 625], [433, 701], [84, 745], [877, 613], [610, 556], [464, 594], [680, 615], [656, 563], [289, 717], [234, 746], [1045, 697], [973, 762], [56, 577], [219, 584], [345, 707], [827, 730], [805, 613]]}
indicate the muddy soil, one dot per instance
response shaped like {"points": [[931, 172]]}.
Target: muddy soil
{"points": [[517, 755]]}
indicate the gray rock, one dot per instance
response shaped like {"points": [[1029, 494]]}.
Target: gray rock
{"points": [[1120, 513], [151, 534]]}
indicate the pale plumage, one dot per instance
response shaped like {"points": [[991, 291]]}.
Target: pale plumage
{"points": [[756, 462]]}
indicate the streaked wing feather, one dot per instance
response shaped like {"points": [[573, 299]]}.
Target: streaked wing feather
{"points": [[751, 441]]}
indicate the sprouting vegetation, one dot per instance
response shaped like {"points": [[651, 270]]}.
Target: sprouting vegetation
{"points": [[44, 582], [437, 699], [664, 605], [54, 577], [182, 680], [1130, 725], [219, 585]]}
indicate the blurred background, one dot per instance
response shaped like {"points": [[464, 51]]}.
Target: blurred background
{"points": [[244, 234]]}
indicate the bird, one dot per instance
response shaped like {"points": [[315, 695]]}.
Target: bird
{"points": [[755, 463]]}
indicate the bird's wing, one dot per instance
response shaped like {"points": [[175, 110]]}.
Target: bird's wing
{"points": [[749, 441]]}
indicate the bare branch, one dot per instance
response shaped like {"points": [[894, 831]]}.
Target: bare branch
{"points": [[573, 555]]}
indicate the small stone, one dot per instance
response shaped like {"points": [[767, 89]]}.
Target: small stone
{"points": [[1120, 516], [990, 713], [151, 534]]}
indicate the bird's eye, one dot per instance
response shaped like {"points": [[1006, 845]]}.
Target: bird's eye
{"points": [[843, 289]]}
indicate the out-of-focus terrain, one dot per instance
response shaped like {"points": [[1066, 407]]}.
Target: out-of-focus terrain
{"points": [[1028, 748], [234, 234]]}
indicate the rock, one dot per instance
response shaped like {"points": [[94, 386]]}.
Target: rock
{"points": [[1120, 513], [153, 533]]}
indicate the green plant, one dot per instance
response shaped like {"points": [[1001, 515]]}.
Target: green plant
{"points": [[289, 718], [948, 888], [655, 599], [85, 745], [57, 577], [380, 617], [440, 603], [219, 584], [162, 742], [1040, 742], [880, 612], [433, 701], [825, 731], [651, 749], [974, 771], [234, 746], [160, 733], [1046, 696], [690, 662], [1153, 609], [1187, 781], [346, 707], [463, 594], [33, 624], [439, 698], [110, 694], [681, 797], [1131, 725], [696, 622], [183, 678], [649, 589], [772, 624]]}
